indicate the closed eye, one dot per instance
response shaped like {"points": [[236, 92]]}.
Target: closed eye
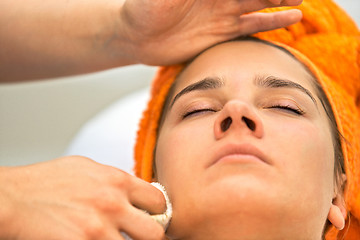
{"points": [[290, 109], [197, 112]]}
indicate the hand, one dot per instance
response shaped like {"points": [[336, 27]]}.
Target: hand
{"points": [[167, 32], [76, 198], [58, 38]]}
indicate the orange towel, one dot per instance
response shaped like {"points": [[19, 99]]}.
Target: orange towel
{"points": [[328, 42]]}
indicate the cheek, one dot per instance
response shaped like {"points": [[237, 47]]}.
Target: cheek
{"points": [[181, 147], [307, 155], [179, 163]]}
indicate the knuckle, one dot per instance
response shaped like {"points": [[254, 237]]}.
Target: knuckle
{"points": [[224, 26], [109, 200], [95, 227], [122, 181], [118, 178]]}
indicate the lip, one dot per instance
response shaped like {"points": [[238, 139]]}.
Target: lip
{"points": [[239, 153]]}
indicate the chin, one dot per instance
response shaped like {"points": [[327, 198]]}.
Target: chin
{"points": [[236, 186], [244, 227], [227, 206], [234, 209], [231, 228]]}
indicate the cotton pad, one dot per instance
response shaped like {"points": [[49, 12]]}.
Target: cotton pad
{"points": [[163, 219]]}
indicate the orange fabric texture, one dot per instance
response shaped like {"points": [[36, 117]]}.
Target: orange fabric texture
{"points": [[327, 41]]}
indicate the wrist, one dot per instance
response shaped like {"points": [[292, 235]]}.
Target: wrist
{"points": [[112, 39], [128, 41], [103, 40]]}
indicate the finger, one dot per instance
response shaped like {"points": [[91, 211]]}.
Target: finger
{"points": [[248, 6], [139, 225], [140, 193], [145, 196], [290, 2], [336, 217], [285, 2], [260, 22], [112, 234]]}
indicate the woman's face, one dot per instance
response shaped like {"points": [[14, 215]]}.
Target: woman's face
{"points": [[245, 150]]}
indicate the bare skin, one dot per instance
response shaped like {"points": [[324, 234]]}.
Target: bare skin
{"points": [[56, 38]]}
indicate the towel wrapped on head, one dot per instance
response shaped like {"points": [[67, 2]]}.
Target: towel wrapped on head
{"points": [[327, 41]]}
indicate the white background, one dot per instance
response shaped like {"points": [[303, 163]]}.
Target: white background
{"points": [[39, 119]]}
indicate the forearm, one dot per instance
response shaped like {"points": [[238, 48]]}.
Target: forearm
{"points": [[58, 38], [6, 206]]}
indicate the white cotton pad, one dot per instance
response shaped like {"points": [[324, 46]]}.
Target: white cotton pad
{"points": [[164, 218]]}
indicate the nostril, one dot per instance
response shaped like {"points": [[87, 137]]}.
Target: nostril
{"points": [[249, 123], [225, 124]]}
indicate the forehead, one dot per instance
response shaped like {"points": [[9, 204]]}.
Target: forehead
{"points": [[240, 62]]}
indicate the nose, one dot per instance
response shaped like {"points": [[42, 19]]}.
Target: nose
{"points": [[237, 116]]}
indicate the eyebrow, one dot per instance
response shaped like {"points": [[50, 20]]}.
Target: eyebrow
{"points": [[205, 84], [274, 82], [260, 81]]}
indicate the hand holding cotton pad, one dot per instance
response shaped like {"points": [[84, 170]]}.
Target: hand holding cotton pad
{"points": [[164, 218]]}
